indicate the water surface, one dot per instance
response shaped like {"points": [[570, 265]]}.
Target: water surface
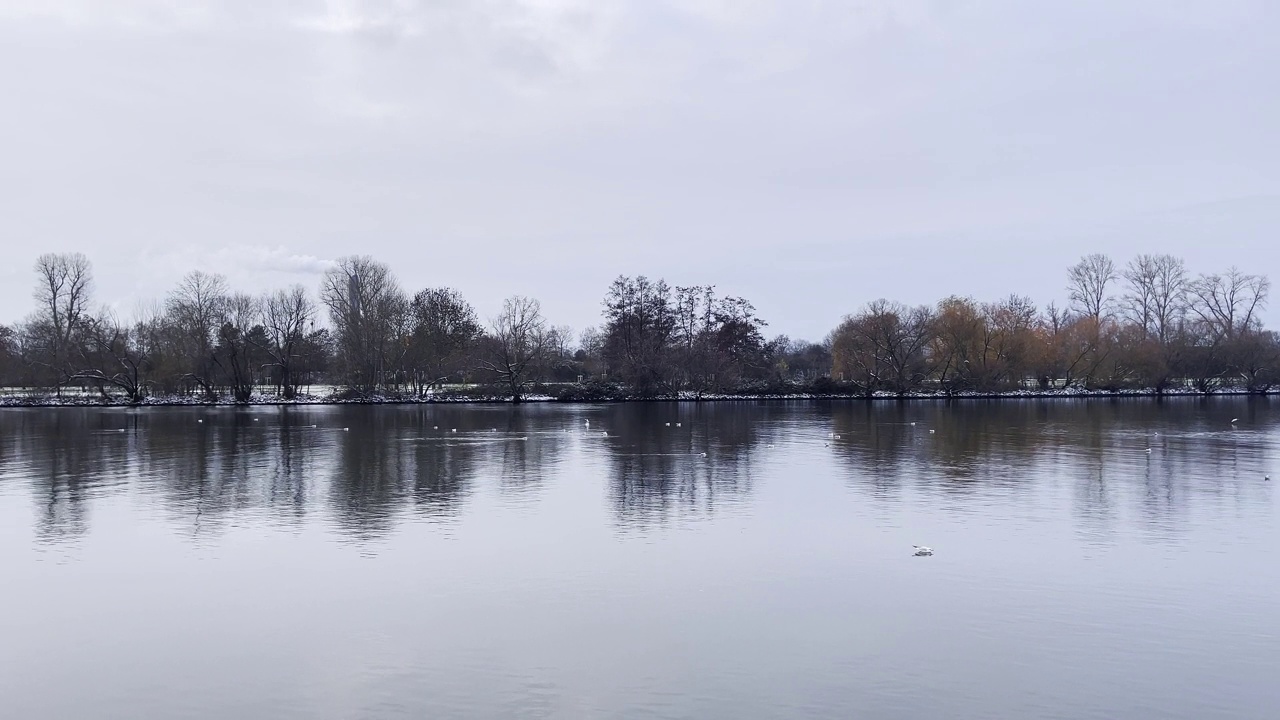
{"points": [[589, 561]]}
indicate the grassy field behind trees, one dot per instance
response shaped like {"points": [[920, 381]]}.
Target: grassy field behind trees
{"points": [[1149, 325]]}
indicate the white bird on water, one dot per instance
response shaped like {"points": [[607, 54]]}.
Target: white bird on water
{"points": [[454, 430], [922, 551], [200, 420], [668, 424], [704, 454], [587, 423], [604, 434], [677, 424]]}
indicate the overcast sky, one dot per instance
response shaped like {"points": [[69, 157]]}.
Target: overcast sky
{"points": [[807, 155]]}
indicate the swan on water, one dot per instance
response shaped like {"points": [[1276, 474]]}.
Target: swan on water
{"points": [[454, 430], [677, 424], [922, 551], [1235, 420], [704, 454], [668, 424], [604, 434], [932, 432]]}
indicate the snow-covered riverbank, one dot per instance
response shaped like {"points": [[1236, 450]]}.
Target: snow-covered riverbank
{"points": [[39, 400]]}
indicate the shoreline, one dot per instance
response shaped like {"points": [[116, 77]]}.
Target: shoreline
{"points": [[270, 401]]}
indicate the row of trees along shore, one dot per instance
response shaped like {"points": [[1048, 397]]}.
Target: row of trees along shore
{"points": [[1149, 325]]}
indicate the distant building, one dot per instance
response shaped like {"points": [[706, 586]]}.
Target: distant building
{"points": [[353, 294]]}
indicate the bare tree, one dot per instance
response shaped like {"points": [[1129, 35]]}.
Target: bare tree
{"points": [[735, 343], [640, 328], [1055, 318], [8, 356], [1170, 296], [557, 360], [1139, 302], [1157, 294], [1228, 304], [958, 347], [694, 320], [519, 341], [800, 360], [65, 282], [1255, 357], [368, 311], [717, 341], [196, 309], [883, 347], [443, 330], [286, 317], [560, 340], [1011, 327], [236, 344], [1087, 283], [1074, 350], [120, 361], [590, 350]]}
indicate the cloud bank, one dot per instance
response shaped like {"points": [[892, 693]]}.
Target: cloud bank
{"points": [[809, 155]]}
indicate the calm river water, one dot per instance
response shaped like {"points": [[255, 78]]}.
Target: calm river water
{"points": [[370, 562]]}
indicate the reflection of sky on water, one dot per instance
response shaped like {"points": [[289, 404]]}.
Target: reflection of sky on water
{"points": [[268, 562]]}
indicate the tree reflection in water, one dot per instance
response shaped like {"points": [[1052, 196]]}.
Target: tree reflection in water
{"points": [[394, 463]]}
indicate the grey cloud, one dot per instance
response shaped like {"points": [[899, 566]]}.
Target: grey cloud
{"points": [[807, 155]]}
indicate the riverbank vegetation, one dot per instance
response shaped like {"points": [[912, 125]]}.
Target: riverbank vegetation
{"points": [[1149, 326]]}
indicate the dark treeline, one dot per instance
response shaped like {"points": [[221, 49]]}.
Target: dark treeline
{"points": [[1150, 325]]}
